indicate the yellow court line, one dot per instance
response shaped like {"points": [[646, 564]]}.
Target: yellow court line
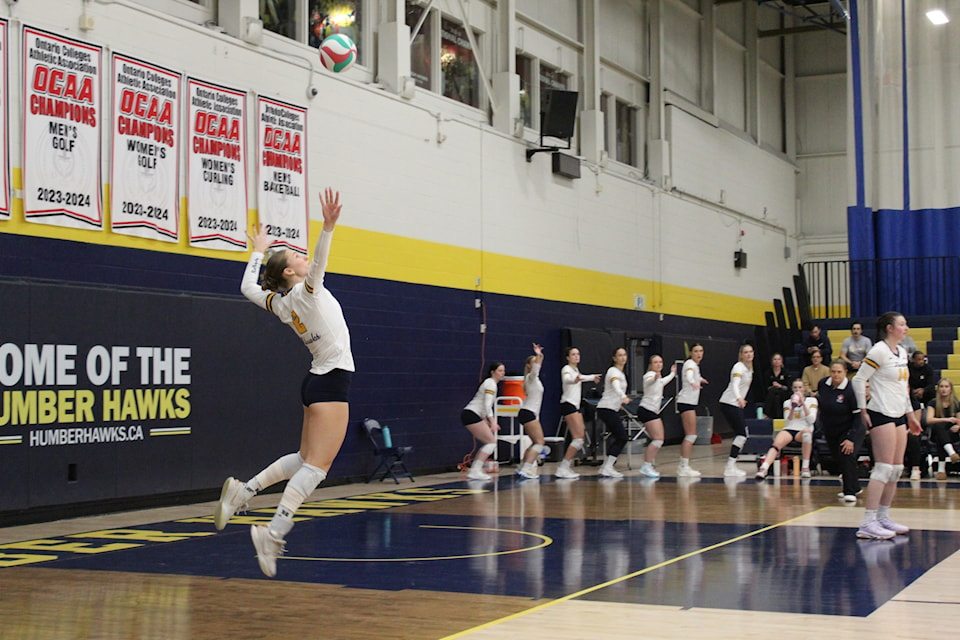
{"points": [[629, 576], [546, 541]]}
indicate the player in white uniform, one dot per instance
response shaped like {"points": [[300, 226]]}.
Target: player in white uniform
{"points": [[732, 402], [608, 410], [687, 400], [529, 415], [479, 419], [571, 379], [799, 413], [649, 412], [885, 416], [293, 290]]}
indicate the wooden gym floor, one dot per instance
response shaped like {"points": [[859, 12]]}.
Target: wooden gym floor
{"points": [[441, 558]]}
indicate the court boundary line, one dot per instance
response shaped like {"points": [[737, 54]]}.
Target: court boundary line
{"points": [[629, 576]]}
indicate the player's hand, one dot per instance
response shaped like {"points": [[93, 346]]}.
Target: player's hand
{"points": [[330, 203], [258, 238]]}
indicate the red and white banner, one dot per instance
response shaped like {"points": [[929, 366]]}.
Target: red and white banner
{"points": [[216, 176], [282, 172], [144, 185], [61, 130], [4, 125]]}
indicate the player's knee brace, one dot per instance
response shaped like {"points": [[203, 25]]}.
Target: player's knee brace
{"points": [[881, 471], [488, 448], [779, 450], [692, 438], [739, 441], [656, 444], [895, 472], [806, 437], [577, 443], [306, 479], [537, 447]]}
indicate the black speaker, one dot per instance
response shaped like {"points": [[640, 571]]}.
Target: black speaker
{"points": [[740, 259], [558, 111]]}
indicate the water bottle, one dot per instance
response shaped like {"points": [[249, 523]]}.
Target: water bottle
{"points": [[387, 440]]}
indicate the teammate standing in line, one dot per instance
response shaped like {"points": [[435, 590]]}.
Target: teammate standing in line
{"points": [[608, 410], [571, 379], [732, 402], [687, 400], [479, 419], [885, 416], [294, 291], [529, 415], [799, 414], [649, 412]]}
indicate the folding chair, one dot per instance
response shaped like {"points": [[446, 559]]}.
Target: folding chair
{"points": [[391, 457]]}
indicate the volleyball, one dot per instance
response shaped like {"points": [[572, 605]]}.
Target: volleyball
{"points": [[338, 53]]}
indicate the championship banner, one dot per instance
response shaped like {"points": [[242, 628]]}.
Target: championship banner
{"points": [[4, 125], [61, 131], [282, 173], [216, 175], [144, 184]]}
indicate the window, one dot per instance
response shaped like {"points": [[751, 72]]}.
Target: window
{"points": [[279, 16], [323, 17], [626, 119], [459, 75], [552, 78], [334, 16], [525, 71], [420, 50]]}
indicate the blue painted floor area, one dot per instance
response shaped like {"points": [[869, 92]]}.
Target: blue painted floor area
{"points": [[815, 570], [800, 569]]}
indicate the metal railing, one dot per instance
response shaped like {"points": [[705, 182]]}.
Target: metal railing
{"points": [[865, 288]]}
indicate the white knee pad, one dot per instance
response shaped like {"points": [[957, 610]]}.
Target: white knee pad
{"points": [[881, 471], [306, 479], [656, 444], [691, 438], [895, 472], [537, 447], [577, 443], [488, 448], [739, 441], [806, 437]]}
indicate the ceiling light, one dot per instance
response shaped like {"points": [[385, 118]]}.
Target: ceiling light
{"points": [[937, 16]]}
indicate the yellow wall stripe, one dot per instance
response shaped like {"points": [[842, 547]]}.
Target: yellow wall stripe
{"points": [[389, 257]]}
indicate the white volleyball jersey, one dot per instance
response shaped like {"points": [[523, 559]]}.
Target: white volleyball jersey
{"points": [[889, 377], [740, 379], [614, 389], [795, 419], [570, 379], [309, 309], [653, 390], [483, 399], [533, 390], [690, 375]]}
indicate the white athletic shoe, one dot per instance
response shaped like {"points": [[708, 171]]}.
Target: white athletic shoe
{"points": [[848, 497], [896, 527], [761, 473], [268, 549], [734, 472], [687, 472], [805, 474], [610, 472], [915, 474], [526, 473], [477, 474], [566, 473], [873, 530], [233, 498], [647, 469]]}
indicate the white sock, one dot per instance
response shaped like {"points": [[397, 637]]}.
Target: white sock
{"points": [[869, 515], [564, 464], [301, 485], [942, 466], [764, 466], [949, 449], [806, 465], [611, 460], [684, 463], [731, 463], [883, 512]]}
